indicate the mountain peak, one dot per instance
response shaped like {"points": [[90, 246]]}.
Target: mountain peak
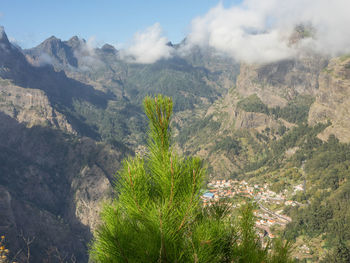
{"points": [[3, 36], [74, 42], [52, 38], [60, 52], [51, 42], [74, 39], [108, 48], [170, 44]]}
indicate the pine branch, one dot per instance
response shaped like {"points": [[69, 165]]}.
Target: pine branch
{"points": [[190, 203], [133, 190]]}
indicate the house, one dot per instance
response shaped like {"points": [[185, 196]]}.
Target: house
{"points": [[208, 195]]}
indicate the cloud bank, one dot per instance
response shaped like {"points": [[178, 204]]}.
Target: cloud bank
{"points": [[259, 31], [86, 54], [148, 46]]}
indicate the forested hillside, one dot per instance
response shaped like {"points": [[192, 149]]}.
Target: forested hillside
{"points": [[70, 113]]}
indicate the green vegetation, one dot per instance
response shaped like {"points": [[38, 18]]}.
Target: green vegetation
{"points": [[158, 215], [253, 104], [305, 31], [229, 144], [120, 123], [302, 136], [344, 57], [325, 166], [197, 127], [328, 168], [175, 78], [296, 111]]}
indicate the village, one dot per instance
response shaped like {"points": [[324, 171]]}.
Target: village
{"points": [[266, 218]]}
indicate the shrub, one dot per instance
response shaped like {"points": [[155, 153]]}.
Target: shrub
{"points": [[158, 216]]}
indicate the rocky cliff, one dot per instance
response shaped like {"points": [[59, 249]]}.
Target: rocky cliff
{"points": [[264, 98], [56, 101], [277, 83], [52, 185], [52, 179], [68, 111], [333, 99]]}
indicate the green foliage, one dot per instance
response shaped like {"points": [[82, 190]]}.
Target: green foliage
{"points": [[328, 167], [176, 78], [197, 127], [278, 186], [296, 111], [113, 124], [228, 144], [302, 136], [253, 104], [340, 254], [158, 215]]}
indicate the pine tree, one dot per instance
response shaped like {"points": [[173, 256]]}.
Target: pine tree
{"points": [[158, 216]]}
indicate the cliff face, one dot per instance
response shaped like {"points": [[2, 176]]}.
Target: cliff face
{"points": [[333, 100], [327, 81], [31, 106], [53, 179], [256, 104], [276, 83], [52, 185]]}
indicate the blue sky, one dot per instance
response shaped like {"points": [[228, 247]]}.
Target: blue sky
{"points": [[115, 22]]}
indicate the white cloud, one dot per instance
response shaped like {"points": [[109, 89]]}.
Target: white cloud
{"points": [[44, 59], [86, 54], [148, 46], [259, 31]]}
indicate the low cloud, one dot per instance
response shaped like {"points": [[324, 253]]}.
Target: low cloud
{"points": [[86, 54], [260, 31], [147, 46], [43, 59]]}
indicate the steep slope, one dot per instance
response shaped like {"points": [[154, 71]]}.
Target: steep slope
{"points": [[194, 79], [277, 83], [54, 51], [333, 100], [57, 92], [52, 181], [52, 185], [265, 101], [267, 130], [261, 123]]}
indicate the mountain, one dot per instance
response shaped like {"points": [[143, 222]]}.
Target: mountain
{"points": [[332, 100], [265, 97], [71, 112], [56, 92], [56, 52], [51, 178], [189, 80], [51, 184], [286, 124], [69, 115]]}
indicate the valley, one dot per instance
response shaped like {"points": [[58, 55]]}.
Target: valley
{"points": [[274, 133]]}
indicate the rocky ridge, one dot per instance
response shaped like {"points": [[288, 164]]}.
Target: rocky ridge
{"points": [[71, 178], [54, 94], [332, 100]]}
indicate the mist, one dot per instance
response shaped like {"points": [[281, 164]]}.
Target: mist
{"points": [[260, 31], [147, 46]]}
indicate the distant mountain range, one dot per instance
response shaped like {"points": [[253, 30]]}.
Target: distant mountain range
{"points": [[71, 112]]}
